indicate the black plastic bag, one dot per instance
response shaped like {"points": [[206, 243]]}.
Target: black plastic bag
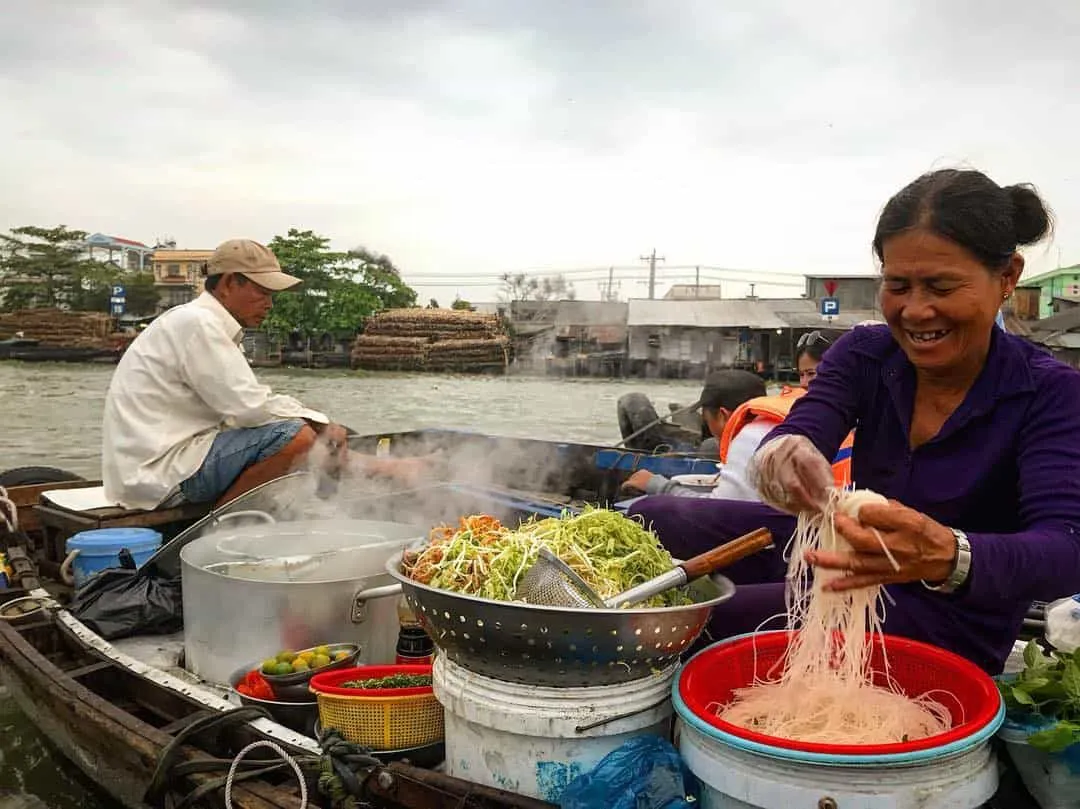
{"points": [[121, 601]]}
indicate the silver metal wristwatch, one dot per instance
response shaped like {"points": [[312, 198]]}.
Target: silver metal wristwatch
{"points": [[960, 570]]}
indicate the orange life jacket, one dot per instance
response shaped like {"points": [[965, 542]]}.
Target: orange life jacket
{"points": [[776, 409]]}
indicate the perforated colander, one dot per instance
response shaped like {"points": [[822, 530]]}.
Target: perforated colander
{"points": [[559, 646]]}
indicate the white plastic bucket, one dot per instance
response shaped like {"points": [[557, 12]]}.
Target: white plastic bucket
{"points": [[738, 779], [526, 739], [1047, 776]]}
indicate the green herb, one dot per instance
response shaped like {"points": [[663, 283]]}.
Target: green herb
{"points": [[391, 681], [1048, 687]]}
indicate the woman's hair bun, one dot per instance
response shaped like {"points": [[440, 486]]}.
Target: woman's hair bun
{"points": [[1032, 220]]}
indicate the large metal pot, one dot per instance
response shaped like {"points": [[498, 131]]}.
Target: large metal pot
{"points": [[251, 591]]}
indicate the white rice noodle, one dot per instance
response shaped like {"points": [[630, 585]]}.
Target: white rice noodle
{"points": [[826, 692]]}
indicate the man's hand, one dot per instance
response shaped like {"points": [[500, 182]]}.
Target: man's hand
{"points": [[637, 481], [335, 438]]}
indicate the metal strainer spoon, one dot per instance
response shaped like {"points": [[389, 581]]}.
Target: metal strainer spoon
{"points": [[551, 582]]}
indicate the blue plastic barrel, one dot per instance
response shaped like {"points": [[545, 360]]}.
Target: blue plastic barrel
{"points": [[100, 549]]}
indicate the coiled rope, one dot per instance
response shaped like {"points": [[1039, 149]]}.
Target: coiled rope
{"points": [[277, 748]]}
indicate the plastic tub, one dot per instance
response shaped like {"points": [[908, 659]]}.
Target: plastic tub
{"points": [[732, 778], [93, 551], [533, 740], [1053, 779]]}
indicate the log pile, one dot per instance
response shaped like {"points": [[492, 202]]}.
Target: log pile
{"points": [[432, 340], [57, 328]]}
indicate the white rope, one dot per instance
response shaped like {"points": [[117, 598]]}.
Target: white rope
{"points": [[8, 513], [281, 752]]}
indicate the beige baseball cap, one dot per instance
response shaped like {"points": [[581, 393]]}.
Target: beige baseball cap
{"points": [[254, 261]]}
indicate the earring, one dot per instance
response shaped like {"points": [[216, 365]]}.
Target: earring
{"points": [[1005, 297]]}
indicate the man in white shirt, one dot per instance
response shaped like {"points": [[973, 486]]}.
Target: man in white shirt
{"points": [[185, 414]]}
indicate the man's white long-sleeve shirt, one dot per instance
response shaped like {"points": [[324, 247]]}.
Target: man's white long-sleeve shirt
{"points": [[180, 383]]}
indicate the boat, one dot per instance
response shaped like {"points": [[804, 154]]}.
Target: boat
{"points": [[128, 714], [28, 350]]}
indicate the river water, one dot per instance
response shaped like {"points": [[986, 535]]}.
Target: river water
{"points": [[52, 417]]}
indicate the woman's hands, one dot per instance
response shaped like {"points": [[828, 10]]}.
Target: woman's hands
{"points": [[922, 548], [790, 474]]}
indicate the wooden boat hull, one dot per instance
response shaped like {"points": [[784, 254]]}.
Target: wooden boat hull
{"points": [[114, 721]]}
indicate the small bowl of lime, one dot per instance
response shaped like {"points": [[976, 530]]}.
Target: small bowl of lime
{"points": [[289, 672]]}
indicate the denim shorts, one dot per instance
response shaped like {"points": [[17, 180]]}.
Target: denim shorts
{"points": [[232, 452]]}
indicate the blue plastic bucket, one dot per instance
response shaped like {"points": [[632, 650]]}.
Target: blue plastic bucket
{"points": [[100, 549]]}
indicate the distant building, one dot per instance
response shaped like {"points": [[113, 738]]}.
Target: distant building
{"points": [[1060, 334], [125, 254], [855, 292], [178, 275], [679, 338], [1057, 289], [681, 292]]}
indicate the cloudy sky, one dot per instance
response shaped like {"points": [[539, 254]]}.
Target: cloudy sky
{"points": [[469, 138]]}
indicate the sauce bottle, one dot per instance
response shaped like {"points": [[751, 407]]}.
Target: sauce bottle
{"points": [[414, 647]]}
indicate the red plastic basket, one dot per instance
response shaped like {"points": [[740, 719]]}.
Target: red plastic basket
{"points": [[712, 676], [330, 682]]}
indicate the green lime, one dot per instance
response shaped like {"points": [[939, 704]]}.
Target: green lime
{"points": [[286, 657], [318, 661], [322, 651], [283, 668], [269, 666]]}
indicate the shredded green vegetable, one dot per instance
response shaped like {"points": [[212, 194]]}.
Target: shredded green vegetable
{"points": [[612, 553], [391, 681]]}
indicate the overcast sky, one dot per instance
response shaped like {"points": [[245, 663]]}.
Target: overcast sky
{"points": [[464, 139]]}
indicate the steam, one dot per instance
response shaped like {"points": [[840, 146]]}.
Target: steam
{"points": [[459, 478]]}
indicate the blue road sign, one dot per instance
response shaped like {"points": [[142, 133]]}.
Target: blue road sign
{"points": [[118, 308], [830, 306], [117, 291]]}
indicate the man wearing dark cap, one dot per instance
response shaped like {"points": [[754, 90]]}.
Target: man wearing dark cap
{"points": [[724, 391], [185, 416]]}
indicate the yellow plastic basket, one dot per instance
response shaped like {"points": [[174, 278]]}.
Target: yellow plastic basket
{"points": [[380, 720]]}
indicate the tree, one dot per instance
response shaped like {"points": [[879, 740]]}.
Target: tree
{"points": [[522, 287], [432, 304], [47, 267], [340, 289], [461, 305]]}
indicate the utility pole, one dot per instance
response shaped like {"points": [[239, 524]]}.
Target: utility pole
{"points": [[609, 290], [752, 290], [697, 281], [652, 259]]}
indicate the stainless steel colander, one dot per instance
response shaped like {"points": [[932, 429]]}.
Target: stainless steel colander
{"points": [[559, 646]]}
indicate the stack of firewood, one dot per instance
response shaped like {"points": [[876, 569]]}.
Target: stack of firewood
{"points": [[55, 327], [432, 340]]}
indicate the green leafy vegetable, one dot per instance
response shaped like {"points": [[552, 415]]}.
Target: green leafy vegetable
{"points": [[612, 553], [1047, 688]]}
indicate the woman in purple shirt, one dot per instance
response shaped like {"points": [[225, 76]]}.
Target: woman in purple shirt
{"points": [[973, 434]]}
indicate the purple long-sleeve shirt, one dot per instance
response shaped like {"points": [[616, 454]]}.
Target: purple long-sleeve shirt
{"points": [[1005, 469]]}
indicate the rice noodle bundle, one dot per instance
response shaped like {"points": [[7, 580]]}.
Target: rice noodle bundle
{"points": [[825, 693]]}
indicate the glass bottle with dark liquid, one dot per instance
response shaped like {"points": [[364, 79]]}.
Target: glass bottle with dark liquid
{"points": [[414, 647]]}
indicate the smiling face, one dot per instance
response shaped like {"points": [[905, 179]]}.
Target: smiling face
{"points": [[940, 301]]}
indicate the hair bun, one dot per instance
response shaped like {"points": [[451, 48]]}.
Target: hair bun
{"points": [[1031, 217]]}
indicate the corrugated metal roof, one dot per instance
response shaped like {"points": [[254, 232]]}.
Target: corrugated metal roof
{"points": [[590, 313], [759, 313]]}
